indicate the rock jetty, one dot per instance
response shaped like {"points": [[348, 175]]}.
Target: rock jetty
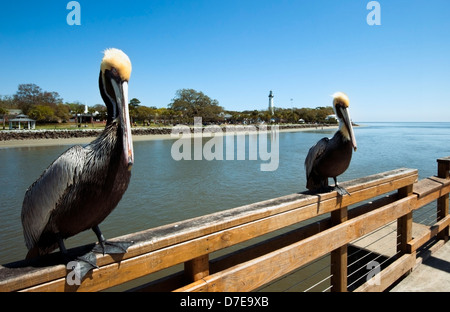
{"points": [[6, 135]]}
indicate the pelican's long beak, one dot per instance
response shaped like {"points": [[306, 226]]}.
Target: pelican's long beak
{"points": [[348, 125], [121, 91]]}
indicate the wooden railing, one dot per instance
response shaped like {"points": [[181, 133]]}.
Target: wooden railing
{"points": [[395, 195]]}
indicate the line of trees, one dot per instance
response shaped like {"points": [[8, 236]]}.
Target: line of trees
{"points": [[44, 106], [48, 107], [284, 115]]}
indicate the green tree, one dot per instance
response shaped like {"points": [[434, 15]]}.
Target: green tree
{"points": [[145, 113], [322, 113], [91, 111], [192, 103], [30, 95], [27, 96], [307, 114], [51, 99], [164, 114], [175, 117], [132, 108], [102, 111], [62, 112], [134, 102], [3, 112], [42, 113], [7, 101], [76, 109]]}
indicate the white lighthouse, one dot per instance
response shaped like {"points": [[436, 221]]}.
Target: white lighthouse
{"points": [[271, 102]]}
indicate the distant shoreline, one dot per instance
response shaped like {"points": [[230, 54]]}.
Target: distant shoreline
{"points": [[30, 138]]}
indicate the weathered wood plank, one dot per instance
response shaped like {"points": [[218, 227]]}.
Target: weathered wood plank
{"points": [[429, 196], [429, 185], [418, 241], [255, 273], [442, 213], [339, 255], [197, 268], [404, 223], [444, 167], [443, 201], [404, 232]]}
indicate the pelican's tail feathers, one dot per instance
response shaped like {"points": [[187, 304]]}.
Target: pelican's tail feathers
{"points": [[316, 182], [33, 253]]}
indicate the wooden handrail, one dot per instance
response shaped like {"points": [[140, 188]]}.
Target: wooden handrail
{"points": [[192, 241]]}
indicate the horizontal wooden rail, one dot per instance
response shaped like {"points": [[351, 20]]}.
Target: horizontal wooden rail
{"points": [[192, 241], [252, 274]]}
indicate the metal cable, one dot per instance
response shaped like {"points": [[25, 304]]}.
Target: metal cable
{"points": [[308, 277], [320, 282]]}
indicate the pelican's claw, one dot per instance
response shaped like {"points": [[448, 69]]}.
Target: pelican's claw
{"points": [[340, 190], [107, 247]]}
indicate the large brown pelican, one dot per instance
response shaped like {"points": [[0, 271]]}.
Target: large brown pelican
{"points": [[331, 157], [81, 187]]}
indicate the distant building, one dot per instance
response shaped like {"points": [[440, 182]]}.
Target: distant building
{"points": [[14, 111], [271, 102], [331, 118], [20, 119], [226, 117]]}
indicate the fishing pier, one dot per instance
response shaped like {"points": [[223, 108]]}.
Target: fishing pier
{"points": [[367, 241]]}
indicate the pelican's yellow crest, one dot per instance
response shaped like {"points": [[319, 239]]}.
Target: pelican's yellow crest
{"points": [[342, 98], [115, 58]]}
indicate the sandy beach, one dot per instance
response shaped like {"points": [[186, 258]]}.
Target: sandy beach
{"points": [[72, 141], [136, 138]]}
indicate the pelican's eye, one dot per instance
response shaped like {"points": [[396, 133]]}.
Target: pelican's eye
{"points": [[114, 72]]}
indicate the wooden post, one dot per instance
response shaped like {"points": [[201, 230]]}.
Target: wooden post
{"points": [[442, 202], [197, 268], [404, 224], [339, 256]]}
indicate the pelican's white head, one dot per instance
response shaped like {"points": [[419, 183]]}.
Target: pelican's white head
{"points": [[115, 71], [341, 103], [117, 59]]}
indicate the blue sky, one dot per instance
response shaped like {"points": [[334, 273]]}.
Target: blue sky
{"points": [[237, 51]]}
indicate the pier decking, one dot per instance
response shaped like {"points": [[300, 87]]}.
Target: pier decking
{"points": [[431, 274], [368, 241]]}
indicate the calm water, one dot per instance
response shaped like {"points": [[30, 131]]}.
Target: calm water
{"points": [[163, 190]]}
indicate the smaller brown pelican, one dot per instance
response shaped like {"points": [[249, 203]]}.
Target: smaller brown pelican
{"points": [[81, 187], [331, 157]]}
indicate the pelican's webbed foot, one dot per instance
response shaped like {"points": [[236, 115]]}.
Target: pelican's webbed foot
{"points": [[81, 265], [108, 247], [84, 264], [339, 189]]}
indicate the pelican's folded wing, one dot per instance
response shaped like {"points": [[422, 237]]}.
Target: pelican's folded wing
{"points": [[314, 154], [42, 197]]}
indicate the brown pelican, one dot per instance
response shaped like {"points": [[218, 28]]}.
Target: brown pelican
{"points": [[81, 187], [331, 157]]}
